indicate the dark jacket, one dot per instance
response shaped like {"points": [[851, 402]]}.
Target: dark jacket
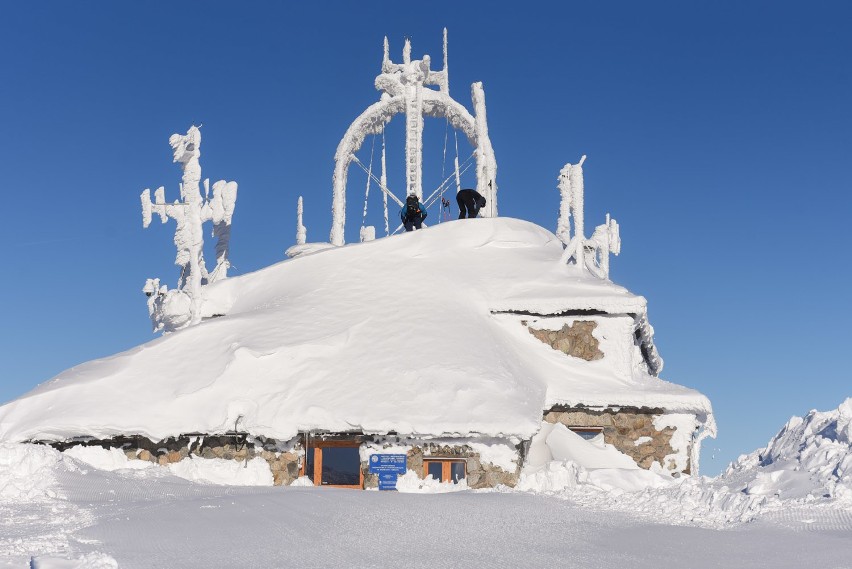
{"points": [[423, 212]]}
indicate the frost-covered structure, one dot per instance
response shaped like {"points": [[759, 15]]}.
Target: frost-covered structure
{"points": [[173, 309], [591, 253], [406, 90], [311, 353], [472, 350]]}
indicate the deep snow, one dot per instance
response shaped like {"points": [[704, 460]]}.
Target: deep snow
{"points": [[407, 334], [58, 511]]}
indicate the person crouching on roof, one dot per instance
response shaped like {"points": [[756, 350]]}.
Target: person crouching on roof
{"points": [[469, 200], [412, 213]]}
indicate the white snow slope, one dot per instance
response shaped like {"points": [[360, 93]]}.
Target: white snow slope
{"points": [[57, 511], [399, 334]]}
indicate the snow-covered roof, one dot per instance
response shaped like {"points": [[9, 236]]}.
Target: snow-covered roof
{"points": [[406, 334]]}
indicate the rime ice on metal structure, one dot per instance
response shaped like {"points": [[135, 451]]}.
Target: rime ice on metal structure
{"points": [[301, 230], [406, 89], [593, 253], [175, 309]]}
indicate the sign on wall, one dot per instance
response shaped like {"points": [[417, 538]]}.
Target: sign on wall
{"points": [[388, 467]]}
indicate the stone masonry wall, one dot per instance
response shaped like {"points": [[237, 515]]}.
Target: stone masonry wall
{"points": [[479, 474], [576, 340], [623, 429], [283, 459]]}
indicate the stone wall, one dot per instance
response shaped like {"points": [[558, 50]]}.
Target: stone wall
{"points": [[622, 429], [479, 474], [283, 459], [576, 340]]}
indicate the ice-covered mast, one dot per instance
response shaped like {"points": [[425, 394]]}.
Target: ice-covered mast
{"points": [[190, 213], [405, 89], [593, 253], [301, 230]]}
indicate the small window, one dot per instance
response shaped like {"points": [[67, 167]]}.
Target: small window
{"points": [[587, 433], [445, 470]]}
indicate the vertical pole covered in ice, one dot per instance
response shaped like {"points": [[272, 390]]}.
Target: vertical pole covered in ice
{"points": [[412, 79], [220, 210], [577, 200], [563, 224], [384, 182], [486, 164], [571, 190], [301, 230], [187, 151]]}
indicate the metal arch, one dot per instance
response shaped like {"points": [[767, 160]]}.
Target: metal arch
{"points": [[372, 121]]}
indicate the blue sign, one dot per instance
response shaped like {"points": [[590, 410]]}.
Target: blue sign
{"points": [[388, 467]]}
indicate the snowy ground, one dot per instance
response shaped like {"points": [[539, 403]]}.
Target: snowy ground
{"points": [[576, 505], [65, 509]]}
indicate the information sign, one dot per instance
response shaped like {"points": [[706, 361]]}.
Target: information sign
{"points": [[388, 467]]}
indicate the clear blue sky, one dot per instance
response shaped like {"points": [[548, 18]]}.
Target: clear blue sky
{"points": [[718, 134]]}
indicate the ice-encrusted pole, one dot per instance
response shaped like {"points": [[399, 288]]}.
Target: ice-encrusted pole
{"points": [[189, 214], [486, 179], [571, 190], [384, 181], [301, 230]]}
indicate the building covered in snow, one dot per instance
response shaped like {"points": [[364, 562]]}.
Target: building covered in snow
{"points": [[466, 352]]}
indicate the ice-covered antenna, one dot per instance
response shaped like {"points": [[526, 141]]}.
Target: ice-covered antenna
{"points": [[571, 206], [446, 67], [407, 88], [406, 51], [301, 230], [189, 215], [386, 57], [592, 253]]}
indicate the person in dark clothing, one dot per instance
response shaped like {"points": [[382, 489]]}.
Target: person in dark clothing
{"points": [[469, 200], [412, 213]]}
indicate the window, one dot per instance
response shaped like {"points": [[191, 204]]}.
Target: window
{"points": [[333, 463], [445, 470], [587, 433]]}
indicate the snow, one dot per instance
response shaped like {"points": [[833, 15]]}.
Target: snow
{"points": [[20, 469], [804, 473], [60, 515], [105, 459], [309, 343], [809, 459], [324, 342], [254, 472], [410, 483]]}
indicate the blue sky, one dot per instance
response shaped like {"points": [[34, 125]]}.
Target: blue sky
{"points": [[718, 134]]}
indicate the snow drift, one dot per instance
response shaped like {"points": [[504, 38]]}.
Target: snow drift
{"points": [[805, 468]]}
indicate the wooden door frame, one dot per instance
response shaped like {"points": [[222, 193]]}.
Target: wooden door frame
{"points": [[316, 447]]}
